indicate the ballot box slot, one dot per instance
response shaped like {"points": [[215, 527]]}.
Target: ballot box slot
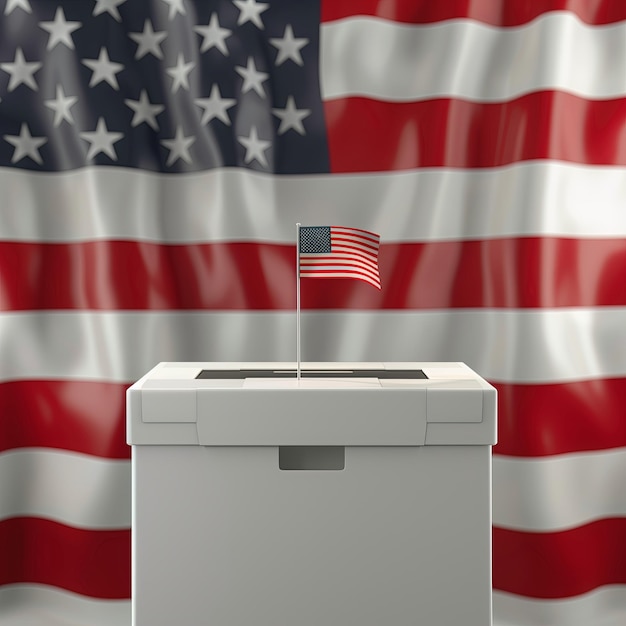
{"points": [[311, 458], [382, 374]]}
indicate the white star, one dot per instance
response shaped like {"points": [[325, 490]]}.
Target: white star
{"points": [[21, 71], [289, 47], [60, 30], [26, 145], [180, 73], [148, 41], [290, 117], [176, 6], [255, 147], [61, 106], [250, 11], [110, 6], [252, 78], [178, 147], [213, 35], [103, 69], [144, 110], [101, 140], [215, 106], [14, 4]]}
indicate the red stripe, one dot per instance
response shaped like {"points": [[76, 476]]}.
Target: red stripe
{"points": [[79, 416], [109, 275], [332, 265], [338, 259], [346, 269], [96, 563], [346, 272], [345, 255], [356, 232], [548, 419], [366, 135], [560, 564], [511, 272], [495, 12], [356, 244], [533, 420], [342, 248], [93, 563], [341, 266]]}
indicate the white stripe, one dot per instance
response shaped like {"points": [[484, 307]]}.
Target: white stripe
{"points": [[539, 198], [335, 263], [342, 248], [74, 489], [535, 345], [366, 237], [533, 494], [351, 269], [363, 244], [346, 257], [338, 272], [466, 59], [557, 493], [38, 605], [602, 607], [536, 495], [343, 273]]}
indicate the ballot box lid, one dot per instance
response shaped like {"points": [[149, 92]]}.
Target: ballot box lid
{"points": [[322, 404]]}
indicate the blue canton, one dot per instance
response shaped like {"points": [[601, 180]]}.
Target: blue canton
{"points": [[161, 85]]}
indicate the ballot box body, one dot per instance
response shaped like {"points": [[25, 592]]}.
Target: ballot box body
{"points": [[348, 500]]}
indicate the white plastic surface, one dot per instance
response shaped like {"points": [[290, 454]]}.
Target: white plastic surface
{"points": [[452, 406], [223, 536], [312, 416]]}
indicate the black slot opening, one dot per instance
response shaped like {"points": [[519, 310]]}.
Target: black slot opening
{"points": [[245, 373], [311, 457]]}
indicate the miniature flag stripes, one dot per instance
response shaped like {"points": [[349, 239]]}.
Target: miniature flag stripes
{"points": [[339, 252]]}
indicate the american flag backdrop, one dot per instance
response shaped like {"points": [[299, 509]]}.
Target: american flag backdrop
{"points": [[155, 156]]}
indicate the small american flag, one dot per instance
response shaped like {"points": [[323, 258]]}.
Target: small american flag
{"points": [[339, 252]]}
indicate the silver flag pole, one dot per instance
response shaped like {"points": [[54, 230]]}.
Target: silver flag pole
{"points": [[298, 373]]}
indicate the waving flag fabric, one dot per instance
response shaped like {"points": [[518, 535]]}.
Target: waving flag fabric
{"points": [[154, 157], [339, 252]]}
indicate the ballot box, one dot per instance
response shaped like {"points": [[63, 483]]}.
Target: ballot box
{"points": [[358, 494]]}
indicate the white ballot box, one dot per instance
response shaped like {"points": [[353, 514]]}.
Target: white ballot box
{"points": [[357, 495]]}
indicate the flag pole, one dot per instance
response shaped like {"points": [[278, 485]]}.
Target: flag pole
{"points": [[298, 300]]}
